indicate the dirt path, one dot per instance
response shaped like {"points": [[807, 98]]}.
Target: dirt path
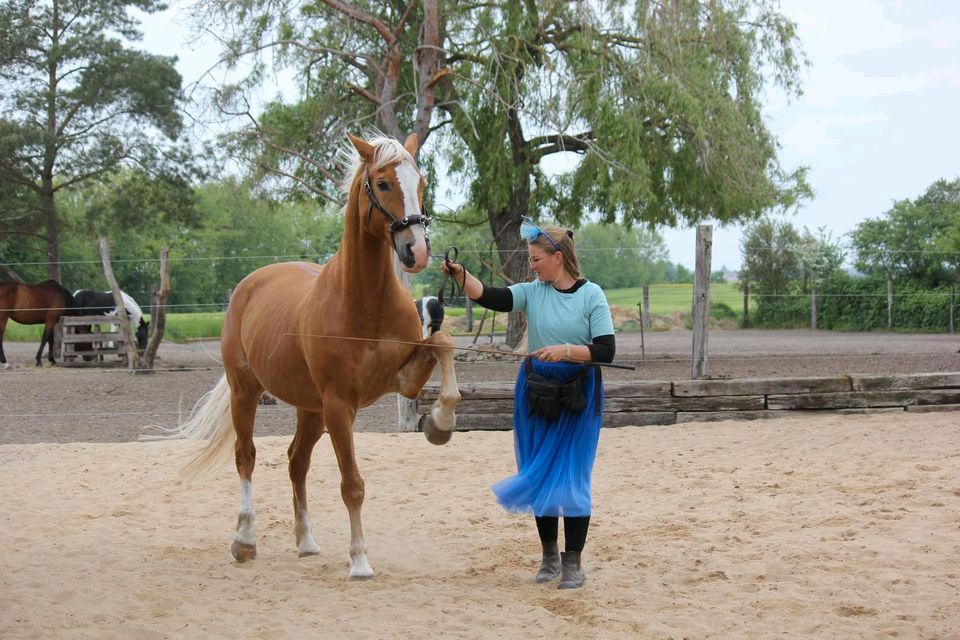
{"points": [[58, 404]]}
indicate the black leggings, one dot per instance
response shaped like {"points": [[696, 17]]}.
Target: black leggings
{"points": [[574, 531]]}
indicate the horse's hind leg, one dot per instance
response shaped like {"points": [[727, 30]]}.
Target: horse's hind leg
{"points": [[43, 342], [243, 408], [48, 330], [3, 358], [338, 417], [309, 430]]}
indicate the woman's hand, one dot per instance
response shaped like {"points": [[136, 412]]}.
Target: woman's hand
{"points": [[553, 353], [455, 269]]}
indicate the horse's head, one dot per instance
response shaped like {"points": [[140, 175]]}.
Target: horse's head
{"points": [[142, 332], [391, 198]]}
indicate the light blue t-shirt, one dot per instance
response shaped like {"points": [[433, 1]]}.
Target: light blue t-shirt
{"points": [[557, 318]]}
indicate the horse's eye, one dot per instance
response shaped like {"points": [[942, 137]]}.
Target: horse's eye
{"points": [[383, 185]]}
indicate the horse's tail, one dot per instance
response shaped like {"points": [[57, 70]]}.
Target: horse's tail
{"points": [[211, 421]]}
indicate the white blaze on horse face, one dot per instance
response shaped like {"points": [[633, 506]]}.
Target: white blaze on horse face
{"points": [[409, 180]]}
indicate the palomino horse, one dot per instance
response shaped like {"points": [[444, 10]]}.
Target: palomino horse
{"points": [[329, 340], [41, 303]]}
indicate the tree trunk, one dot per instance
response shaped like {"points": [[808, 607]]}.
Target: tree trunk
{"points": [[513, 261], [11, 275], [133, 355], [48, 212], [159, 316], [506, 225]]}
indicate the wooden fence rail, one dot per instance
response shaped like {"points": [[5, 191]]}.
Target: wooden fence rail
{"points": [[489, 405]]}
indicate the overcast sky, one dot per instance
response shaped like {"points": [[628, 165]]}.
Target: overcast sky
{"points": [[877, 121]]}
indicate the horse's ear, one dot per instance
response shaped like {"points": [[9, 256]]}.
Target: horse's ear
{"points": [[412, 144], [364, 148]]}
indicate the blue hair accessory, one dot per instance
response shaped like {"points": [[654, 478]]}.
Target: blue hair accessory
{"points": [[530, 232]]}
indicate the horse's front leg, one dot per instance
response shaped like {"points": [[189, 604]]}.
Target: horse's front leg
{"points": [[338, 417], [438, 425]]}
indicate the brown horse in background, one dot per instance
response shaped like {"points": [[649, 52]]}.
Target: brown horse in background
{"points": [[330, 340], [40, 303]]}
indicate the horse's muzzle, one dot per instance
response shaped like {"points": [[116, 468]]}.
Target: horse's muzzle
{"points": [[412, 250]]}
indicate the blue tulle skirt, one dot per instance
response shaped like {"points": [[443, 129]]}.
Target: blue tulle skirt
{"points": [[554, 458]]}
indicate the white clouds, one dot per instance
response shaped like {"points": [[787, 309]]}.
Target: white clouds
{"points": [[877, 119]]}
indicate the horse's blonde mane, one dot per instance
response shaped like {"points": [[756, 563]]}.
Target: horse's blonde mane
{"points": [[388, 151]]}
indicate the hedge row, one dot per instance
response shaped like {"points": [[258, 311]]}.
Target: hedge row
{"points": [[860, 304]]}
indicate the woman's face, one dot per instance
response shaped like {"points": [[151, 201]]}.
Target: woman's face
{"points": [[547, 266]]}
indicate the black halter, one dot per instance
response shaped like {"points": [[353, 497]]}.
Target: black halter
{"points": [[396, 224]]}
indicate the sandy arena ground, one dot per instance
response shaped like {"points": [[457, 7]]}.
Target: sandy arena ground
{"points": [[827, 526], [833, 527]]}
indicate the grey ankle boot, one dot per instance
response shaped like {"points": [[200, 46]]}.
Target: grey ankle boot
{"points": [[550, 565], [572, 576]]}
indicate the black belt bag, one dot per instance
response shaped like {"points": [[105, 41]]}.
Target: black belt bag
{"points": [[547, 397]]}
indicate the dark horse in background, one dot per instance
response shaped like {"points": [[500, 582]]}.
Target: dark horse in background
{"points": [[431, 314], [96, 303], [41, 303]]}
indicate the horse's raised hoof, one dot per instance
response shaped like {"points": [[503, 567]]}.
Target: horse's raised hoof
{"points": [[243, 552], [434, 435]]}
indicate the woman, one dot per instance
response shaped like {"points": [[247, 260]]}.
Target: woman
{"points": [[555, 437]]}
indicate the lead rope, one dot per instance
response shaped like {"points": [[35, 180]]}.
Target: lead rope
{"points": [[450, 257]]}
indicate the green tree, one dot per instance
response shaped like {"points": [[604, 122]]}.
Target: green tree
{"points": [[660, 101], [614, 256], [678, 274], [77, 104], [771, 257], [914, 239], [819, 256]]}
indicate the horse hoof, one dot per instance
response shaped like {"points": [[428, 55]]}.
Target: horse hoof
{"points": [[434, 435], [7, 365], [307, 553], [360, 577], [243, 552]]}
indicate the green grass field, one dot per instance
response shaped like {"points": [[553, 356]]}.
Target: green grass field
{"points": [[180, 328], [670, 298], [665, 299]]}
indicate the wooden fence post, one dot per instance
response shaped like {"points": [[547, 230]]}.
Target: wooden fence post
{"points": [[813, 309], [953, 306], [701, 300], [746, 304], [889, 302], [645, 320], [469, 314]]}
